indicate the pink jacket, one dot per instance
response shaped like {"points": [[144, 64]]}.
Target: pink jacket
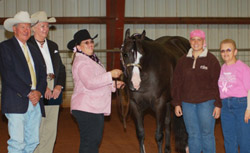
{"points": [[93, 86]]}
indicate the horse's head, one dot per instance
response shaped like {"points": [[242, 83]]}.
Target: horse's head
{"points": [[131, 52]]}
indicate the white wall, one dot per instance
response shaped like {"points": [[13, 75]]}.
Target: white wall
{"points": [[192, 8], [139, 8]]}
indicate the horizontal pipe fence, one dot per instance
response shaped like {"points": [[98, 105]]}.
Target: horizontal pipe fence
{"points": [[243, 55]]}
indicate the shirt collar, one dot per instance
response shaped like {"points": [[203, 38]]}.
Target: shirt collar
{"points": [[20, 43], [203, 54], [44, 44]]}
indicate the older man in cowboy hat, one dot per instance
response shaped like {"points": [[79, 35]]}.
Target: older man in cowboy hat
{"points": [[56, 77], [23, 75]]}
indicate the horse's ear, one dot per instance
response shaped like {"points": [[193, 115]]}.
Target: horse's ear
{"points": [[127, 34], [143, 35]]}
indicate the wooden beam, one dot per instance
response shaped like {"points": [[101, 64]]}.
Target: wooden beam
{"points": [[77, 20], [186, 20], [150, 20], [83, 20], [116, 10]]}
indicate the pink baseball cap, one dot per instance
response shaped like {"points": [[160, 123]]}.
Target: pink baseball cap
{"points": [[198, 33]]}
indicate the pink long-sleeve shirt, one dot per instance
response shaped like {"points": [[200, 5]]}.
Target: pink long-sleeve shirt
{"points": [[92, 86]]}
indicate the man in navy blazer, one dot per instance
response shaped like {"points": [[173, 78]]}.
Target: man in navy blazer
{"points": [[23, 75], [56, 78]]}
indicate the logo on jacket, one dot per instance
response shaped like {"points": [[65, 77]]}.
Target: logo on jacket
{"points": [[56, 51], [204, 67]]}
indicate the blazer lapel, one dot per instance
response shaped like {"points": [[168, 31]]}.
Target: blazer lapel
{"points": [[19, 54], [34, 53], [52, 56], [33, 41], [19, 51]]}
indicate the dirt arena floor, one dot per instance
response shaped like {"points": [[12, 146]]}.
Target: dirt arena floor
{"points": [[115, 139]]}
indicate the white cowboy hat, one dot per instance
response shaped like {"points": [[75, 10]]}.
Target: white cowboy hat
{"points": [[41, 16], [20, 17]]}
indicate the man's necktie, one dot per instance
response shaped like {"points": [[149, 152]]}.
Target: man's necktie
{"points": [[32, 72]]}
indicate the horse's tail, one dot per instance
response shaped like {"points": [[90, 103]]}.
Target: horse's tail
{"points": [[181, 136]]}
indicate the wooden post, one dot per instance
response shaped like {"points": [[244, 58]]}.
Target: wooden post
{"points": [[115, 10]]}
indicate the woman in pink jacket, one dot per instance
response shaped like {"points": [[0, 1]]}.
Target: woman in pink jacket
{"points": [[91, 99]]}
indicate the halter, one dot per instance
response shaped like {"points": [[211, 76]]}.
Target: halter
{"points": [[136, 65], [129, 64]]}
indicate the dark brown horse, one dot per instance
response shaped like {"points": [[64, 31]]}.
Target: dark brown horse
{"points": [[148, 70]]}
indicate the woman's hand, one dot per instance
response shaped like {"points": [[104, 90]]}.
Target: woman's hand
{"points": [[216, 113], [119, 84], [178, 111], [115, 73], [247, 116]]}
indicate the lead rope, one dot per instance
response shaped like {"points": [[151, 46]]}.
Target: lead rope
{"points": [[121, 111]]}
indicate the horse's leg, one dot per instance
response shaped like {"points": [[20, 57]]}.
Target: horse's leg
{"points": [[181, 136], [160, 116], [168, 128], [138, 117]]}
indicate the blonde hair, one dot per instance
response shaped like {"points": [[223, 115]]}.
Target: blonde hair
{"points": [[228, 41], [73, 57], [74, 52]]}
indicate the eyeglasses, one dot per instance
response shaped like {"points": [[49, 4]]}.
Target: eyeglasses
{"points": [[89, 42], [227, 50]]}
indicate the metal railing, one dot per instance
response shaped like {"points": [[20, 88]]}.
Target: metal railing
{"points": [[117, 50]]}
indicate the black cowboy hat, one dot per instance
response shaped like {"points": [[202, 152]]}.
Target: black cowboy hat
{"points": [[78, 37]]}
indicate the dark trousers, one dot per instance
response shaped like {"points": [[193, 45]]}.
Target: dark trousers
{"points": [[91, 130]]}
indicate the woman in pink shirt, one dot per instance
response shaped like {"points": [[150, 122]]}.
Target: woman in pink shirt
{"points": [[91, 99], [234, 85]]}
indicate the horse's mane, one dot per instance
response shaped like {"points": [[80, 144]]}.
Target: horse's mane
{"points": [[166, 47], [179, 44], [138, 36], [175, 45], [155, 47], [156, 53]]}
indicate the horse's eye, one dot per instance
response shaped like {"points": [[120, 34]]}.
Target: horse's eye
{"points": [[125, 55]]}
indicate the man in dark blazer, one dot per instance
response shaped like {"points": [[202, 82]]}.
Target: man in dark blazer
{"points": [[56, 77], [23, 75]]}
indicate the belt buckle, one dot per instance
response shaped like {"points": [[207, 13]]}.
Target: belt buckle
{"points": [[50, 76]]}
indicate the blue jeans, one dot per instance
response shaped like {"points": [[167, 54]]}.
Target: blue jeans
{"points": [[235, 131], [200, 124], [24, 130]]}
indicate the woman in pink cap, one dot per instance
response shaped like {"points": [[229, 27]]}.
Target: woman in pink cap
{"points": [[195, 94]]}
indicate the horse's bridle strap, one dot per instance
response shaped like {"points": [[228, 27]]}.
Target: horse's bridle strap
{"points": [[132, 64]]}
